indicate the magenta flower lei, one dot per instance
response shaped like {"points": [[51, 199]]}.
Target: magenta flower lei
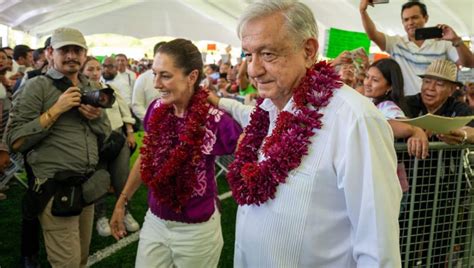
{"points": [[167, 168], [254, 182]]}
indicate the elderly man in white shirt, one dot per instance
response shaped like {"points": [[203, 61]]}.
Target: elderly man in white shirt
{"points": [[315, 174]]}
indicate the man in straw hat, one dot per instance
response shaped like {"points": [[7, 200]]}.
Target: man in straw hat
{"points": [[59, 134], [438, 83]]}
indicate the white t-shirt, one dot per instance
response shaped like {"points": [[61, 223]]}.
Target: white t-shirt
{"points": [[414, 60], [144, 93], [340, 207], [390, 110]]}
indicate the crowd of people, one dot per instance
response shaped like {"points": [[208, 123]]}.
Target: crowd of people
{"points": [[315, 174]]}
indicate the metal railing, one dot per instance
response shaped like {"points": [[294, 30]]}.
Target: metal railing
{"points": [[436, 224], [437, 214]]}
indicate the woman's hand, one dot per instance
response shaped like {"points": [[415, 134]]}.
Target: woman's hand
{"points": [[116, 222], [343, 58], [418, 144]]}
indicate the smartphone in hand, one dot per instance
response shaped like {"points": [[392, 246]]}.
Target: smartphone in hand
{"points": [[428, 33]]}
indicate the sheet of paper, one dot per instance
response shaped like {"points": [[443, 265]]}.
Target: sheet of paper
{"points": [[438, 124]]}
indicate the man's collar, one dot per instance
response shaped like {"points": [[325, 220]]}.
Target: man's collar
{"points": [[267, 105], [56, 75]]}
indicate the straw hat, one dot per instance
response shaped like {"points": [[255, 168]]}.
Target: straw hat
{"points": [[444, 70]]}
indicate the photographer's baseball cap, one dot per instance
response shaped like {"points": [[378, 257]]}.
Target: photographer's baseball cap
{"points": [[67, 36]]}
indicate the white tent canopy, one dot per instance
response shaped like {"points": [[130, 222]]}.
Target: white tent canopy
{"points": [[207, 19]]}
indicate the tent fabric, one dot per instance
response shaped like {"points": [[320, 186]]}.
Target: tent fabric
{"points": [[207, 19]]}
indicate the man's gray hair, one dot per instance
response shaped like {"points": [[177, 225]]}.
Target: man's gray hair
{"points": [[299, 19]]}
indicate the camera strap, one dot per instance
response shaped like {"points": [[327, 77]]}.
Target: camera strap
{"points": [[62, 83]]}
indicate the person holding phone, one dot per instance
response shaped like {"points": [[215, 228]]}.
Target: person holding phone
{"points": [[413, 55]]}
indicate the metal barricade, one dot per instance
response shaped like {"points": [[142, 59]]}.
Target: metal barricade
{"points": [[437, 214], [436, 218]]}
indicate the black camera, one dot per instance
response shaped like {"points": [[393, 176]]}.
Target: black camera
{"points": [[103, 98], [428, 33]]}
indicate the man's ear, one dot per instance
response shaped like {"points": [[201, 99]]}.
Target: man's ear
{"points": [[310, 47]]}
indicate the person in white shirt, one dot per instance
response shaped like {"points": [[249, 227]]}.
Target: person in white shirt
{"points": [[414, 56], [144, 91], [110, 76], [315, 173], [127, 76]]}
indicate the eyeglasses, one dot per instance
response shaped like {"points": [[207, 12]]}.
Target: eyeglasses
{"points": [[108, 65]]}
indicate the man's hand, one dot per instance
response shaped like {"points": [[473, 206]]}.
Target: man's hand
{"points": [[364, 4], [458, 136], [69, 99], [90, 112], [448, 33], [4, 161], [343, 58], [16, 76], [131, 142], [212, 98]]}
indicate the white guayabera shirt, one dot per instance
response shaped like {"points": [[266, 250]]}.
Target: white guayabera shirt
{"points": [[340, 207]]}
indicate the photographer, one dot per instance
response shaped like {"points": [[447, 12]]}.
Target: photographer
{"points": [[414, 56], [61, 137]]}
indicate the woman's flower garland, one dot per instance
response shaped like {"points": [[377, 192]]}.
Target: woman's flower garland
{"points": [[171, 153], [254, 182]]}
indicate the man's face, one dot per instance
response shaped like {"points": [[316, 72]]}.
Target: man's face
{"points": [[121, 62], [221, 83], [9, 52], [224, 68], [412, 19], [109, 69], [29, 59], [435, 92], [347, 73], [40, 61], [276, 64], [68, 59]]}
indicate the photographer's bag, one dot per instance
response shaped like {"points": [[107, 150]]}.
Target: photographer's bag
{"points": [[74, 191]]}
